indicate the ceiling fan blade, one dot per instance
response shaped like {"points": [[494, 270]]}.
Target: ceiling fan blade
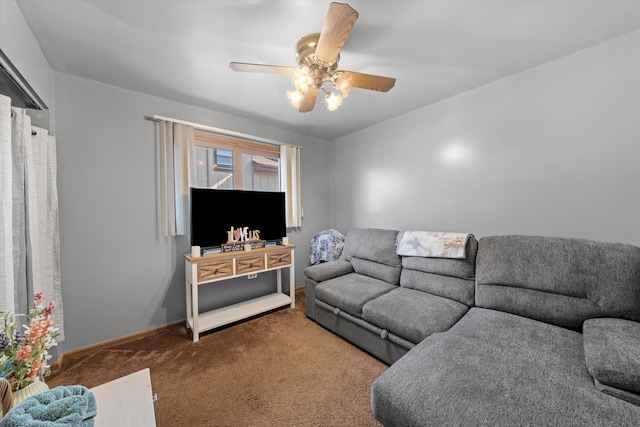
{"points": [[260, 68], [309, 100], [337, 25], [368, 81]]}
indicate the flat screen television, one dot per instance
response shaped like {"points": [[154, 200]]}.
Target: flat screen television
{"points": [[214, 212]]}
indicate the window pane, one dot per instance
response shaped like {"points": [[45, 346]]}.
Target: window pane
{"points": [[214, 168], [260, 173], [224, 160]]}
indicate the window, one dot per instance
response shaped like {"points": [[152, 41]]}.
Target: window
{"points": [[229, 163], [224, 159], [189, 158]]}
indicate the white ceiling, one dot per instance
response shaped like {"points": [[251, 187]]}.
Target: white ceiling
{"points": [[180, 50]]}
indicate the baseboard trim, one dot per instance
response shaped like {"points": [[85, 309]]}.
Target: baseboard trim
{"points": [[94, 348]]}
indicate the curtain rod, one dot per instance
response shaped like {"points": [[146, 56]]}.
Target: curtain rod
{"points": [[157, 118], [18, 85]]}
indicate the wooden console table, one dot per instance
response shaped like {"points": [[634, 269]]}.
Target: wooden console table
{"points": [[215, 267]]}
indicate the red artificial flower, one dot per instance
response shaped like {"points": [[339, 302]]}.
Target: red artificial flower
{"points": [[24, 353]]}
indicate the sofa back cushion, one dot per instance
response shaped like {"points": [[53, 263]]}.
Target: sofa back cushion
{"points": [[372, 252], [444, 277], [562, 281]]}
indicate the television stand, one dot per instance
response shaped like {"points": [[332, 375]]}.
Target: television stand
{"points": [[215, 267]]}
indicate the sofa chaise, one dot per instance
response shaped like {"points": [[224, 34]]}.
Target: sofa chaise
{"points": [[525, 330]]}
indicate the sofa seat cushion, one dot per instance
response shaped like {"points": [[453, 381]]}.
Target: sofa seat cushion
{"points": [[611, 349], [411, 314], [499, 369], [351, 292]]}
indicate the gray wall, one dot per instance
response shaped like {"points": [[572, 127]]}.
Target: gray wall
{"points": [[118, 276], [553, 150]]}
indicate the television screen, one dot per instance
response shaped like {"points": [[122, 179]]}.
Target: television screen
{"points": [[214, 212]]}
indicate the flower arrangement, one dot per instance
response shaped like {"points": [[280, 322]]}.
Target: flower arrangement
{"points": [[24, 353]]}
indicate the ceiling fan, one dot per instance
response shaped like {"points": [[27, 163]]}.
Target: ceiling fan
{"points": [[318, 55]]}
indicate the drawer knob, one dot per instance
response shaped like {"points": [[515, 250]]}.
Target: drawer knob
{"points": [[215, 271]]}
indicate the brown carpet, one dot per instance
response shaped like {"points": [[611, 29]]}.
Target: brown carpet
{"points": [[279, 369]]}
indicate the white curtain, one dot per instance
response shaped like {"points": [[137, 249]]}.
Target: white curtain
{"points": [[175, 156], [290, 182], [29, 234], [8, 299]]}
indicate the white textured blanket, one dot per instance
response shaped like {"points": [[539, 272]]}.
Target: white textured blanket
{"points": [[431, 244]]}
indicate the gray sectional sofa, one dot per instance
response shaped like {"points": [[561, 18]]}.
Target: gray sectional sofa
{"points": [[526, 330]]}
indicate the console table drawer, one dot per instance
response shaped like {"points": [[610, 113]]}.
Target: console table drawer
{"points": [[278, 259], [215, 270], [249, 263]]}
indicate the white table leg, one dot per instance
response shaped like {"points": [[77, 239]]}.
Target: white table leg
{"points": [[187, 288], [188, 297], [279, 280], [194, 308], [292, 280]]}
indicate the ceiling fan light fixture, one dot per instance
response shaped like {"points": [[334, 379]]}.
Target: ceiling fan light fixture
{"points": [[295, 98], [342, 83], [332, 101], [301, 79]]}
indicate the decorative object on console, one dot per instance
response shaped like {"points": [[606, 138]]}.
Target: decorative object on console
{"points": [[242, 246], [242, 238], [242, 234]]}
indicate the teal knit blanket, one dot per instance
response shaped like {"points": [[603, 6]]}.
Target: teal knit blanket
{"points": [[64, 406]]}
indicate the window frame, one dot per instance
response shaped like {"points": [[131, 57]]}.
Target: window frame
{"points": [[238, 147]]}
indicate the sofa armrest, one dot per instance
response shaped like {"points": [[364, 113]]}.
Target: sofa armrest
{"points": [[612, 356], [328, 270]]}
